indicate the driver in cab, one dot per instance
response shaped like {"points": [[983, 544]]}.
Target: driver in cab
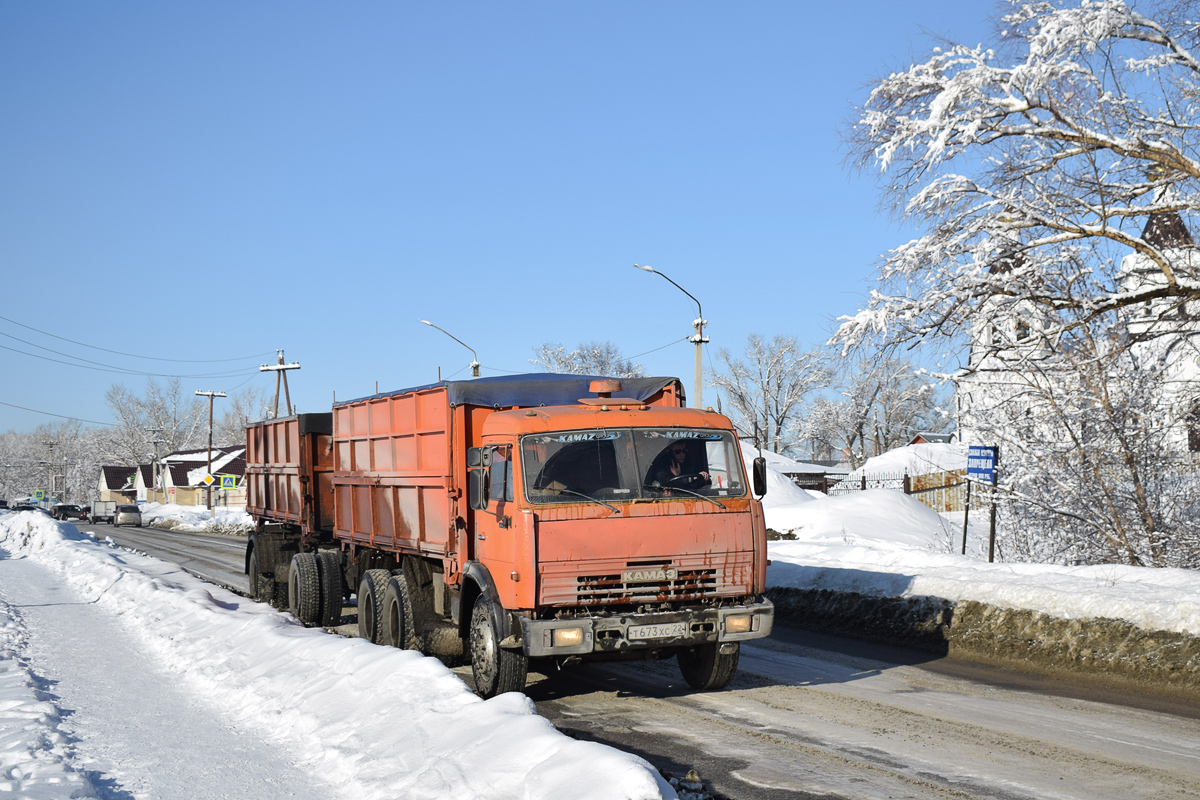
{"points": [[680, 471]]}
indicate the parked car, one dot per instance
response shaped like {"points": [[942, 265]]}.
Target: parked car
{"points": [[3, 503], [65, 511], [28, 507], [128, 515]]}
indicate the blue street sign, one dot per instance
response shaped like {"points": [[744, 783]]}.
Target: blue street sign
{"points": [[981, 463], [228, 481]]}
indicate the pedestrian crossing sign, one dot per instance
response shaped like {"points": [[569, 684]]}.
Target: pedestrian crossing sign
{"points": [[228, 481]]}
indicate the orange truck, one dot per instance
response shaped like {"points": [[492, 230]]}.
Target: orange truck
{"points": [[541, 517]]}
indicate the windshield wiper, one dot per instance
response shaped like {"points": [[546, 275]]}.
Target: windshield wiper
{"points": [[593, 499], [659, 488]]}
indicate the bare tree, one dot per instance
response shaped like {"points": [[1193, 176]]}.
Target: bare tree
{"points": [[766, 388], [241, 408], [180, 421], [881, 403], [589, 358]]}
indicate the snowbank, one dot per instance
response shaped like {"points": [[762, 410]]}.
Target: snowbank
{"points": [[885, 543], [196, 518], [374, 722]]}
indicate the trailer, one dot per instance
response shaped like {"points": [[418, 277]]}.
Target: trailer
{"points": [[502, 520]]}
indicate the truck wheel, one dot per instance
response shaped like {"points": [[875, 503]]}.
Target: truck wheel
{"points": [[706, 667], [329, 565], [304, 589], [262, 588], [398, 615], [370, 604], [496, 670]]}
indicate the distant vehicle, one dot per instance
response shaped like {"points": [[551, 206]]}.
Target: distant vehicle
{"points": [[103, 510], [28, 507], [128, 515], [3, 504], [65, 511]]}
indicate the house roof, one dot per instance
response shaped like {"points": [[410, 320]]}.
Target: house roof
{"points": [[115, 478]]}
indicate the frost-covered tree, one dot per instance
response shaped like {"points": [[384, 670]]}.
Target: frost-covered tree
{"points": [[879, 403], [163, 411], [589, 358], [765, 389], [240, 408], [1057, 147], [1034, 170]]}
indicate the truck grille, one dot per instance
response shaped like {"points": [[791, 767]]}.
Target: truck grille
{"points": [[605, 589], [611, 582]]}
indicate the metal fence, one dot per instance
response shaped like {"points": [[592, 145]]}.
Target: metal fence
{"points": [[941, 491]]}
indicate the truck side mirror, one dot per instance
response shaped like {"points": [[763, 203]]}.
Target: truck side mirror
{"points": [[760, 476], [477, 489], [474, 457]]}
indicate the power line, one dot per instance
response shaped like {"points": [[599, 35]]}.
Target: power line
{"points": [[60, 416], [655, 350], [133, 355], [108, 367]]}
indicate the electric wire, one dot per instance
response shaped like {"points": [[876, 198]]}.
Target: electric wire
{"points": [[60, 416], [132, 355], [109, 368]]}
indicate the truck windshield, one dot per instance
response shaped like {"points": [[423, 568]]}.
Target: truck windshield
{"points": [[618, 464]]}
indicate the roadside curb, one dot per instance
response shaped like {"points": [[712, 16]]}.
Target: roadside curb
{"points": [[1108, 650]]}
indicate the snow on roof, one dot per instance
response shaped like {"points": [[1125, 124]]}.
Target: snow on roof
{"points": [[916, 459]]}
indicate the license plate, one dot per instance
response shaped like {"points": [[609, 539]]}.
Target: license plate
{"points": [[668, 630]]}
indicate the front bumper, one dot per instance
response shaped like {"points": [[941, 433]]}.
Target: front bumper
{"points": [[629, 632]]}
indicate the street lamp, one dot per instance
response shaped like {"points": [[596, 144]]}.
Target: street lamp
{"points": [[698, 337], [474, 356]]}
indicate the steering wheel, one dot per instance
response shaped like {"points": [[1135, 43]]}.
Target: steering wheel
{"points": [[684, 480]]}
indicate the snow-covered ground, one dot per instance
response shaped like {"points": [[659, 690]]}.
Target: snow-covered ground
{"points": [[362, 721], [195, 518], [212, 688]]}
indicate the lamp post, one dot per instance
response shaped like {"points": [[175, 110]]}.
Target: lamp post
{"points": [[698, 337], [474, 356]]}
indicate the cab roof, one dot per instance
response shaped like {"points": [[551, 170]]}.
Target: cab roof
{"points": [[619, 415]]}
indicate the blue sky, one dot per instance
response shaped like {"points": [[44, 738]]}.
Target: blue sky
{"points": [[214, 181]]}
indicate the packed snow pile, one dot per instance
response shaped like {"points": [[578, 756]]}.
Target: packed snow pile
{"points": [[195, 519], [368, 721], [885, 543]]}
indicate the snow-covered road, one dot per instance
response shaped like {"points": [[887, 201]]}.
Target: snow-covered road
{"points": [[122, 676]]}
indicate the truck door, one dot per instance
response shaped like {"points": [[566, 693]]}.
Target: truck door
{"points": [[495, 545]]}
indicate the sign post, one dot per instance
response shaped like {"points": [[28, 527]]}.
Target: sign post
{"points": [[981, 466]]}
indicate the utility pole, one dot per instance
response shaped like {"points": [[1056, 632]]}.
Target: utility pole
{"points": [[157, 467], [280, 369], [50, 469], [210, 396]]}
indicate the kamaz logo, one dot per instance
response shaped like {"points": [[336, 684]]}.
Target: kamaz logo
{"points": [[646, 575]]}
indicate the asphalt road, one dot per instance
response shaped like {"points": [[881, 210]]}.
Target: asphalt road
{"points": [[812, 716]]}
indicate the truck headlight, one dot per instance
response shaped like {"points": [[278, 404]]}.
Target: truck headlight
{"points": [[739, 623], [566, 637]]}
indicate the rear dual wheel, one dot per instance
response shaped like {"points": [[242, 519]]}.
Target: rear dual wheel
{"points": [[398, 628], [315, 588], [370, 604]]}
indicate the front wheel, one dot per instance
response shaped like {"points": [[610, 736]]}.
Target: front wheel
{"points": [[709, 666], [496, 669]]}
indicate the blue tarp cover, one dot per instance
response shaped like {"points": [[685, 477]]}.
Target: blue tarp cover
{"points": [[533, 389]]}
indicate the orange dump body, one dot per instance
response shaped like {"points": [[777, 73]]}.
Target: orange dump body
{"points": [[288, 470]]}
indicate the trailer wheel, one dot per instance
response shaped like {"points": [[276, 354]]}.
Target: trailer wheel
{"points": [[496, 670], [705, 667], [329, 567], [262, 588], [370, 604], [398, 628], [304, 589]]}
